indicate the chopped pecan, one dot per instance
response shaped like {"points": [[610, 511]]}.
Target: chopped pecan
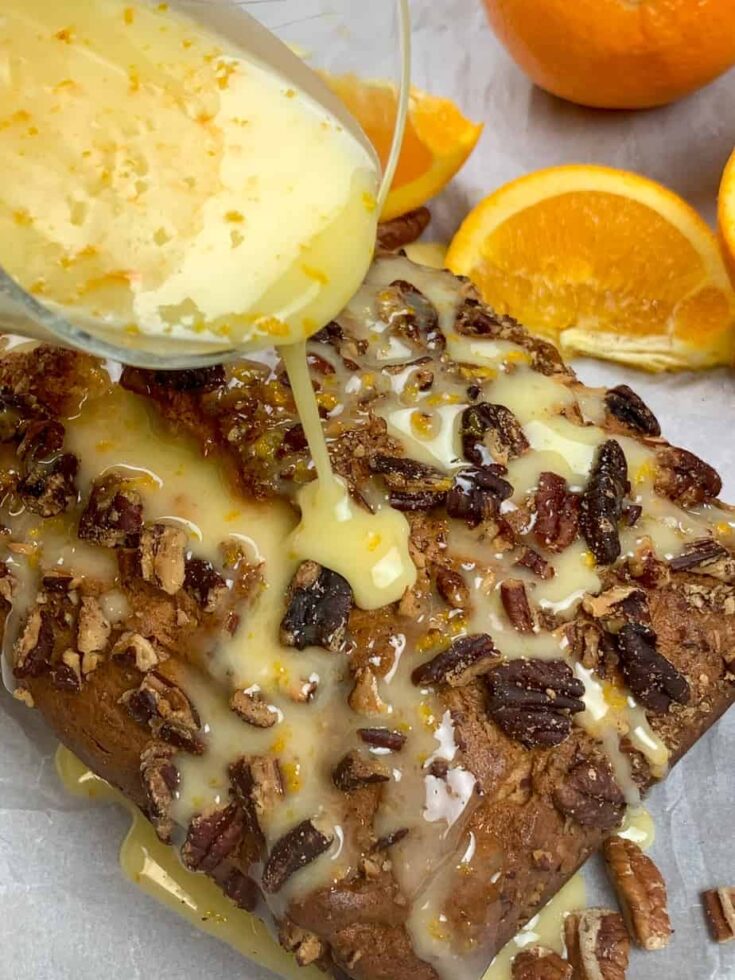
{"points": [[241, 889], [257, 783], [35, 645], [590, 795], [162, 706], [193, 379], [93, 627], [254, 709], [306, 946], [467, 658], [409, 313], [491, 434], [535, 563], [557, 513], [204, 584], [532, 700], [597, 944], [355, 770], [685, 478], [66, 673], [654, 681], [477, 320], [213, 837], [319, 605], [382, 738], [516, 605], [539, 963], [641, 892], [138, 651], [719, 907], [391, 839], [476, 494], [628, 408], [162, 556], [705, 557], [618, 606], [403, 230], [452, 588], [46, 483], [601, 506], [299, 847], [411, 485], [364, 698], [160, 778], [113, 515]]}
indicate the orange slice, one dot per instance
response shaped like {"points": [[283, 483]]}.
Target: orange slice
{"points": [[438, 138], [726, 214], [605, 263]]}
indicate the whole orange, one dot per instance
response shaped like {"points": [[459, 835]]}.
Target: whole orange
{"points": [[618, 54]]}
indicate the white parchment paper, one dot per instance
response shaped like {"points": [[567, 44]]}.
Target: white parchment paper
{"points": [[66, 912]]}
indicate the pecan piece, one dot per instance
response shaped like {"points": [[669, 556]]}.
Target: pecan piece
{"points": [[516, 605], [403, 230], [411, 485], [213, 837], [66, 673], [382, 738], [627, 407], [409, 313], [254, 709], [591, 796], [201, 380], [113, 515], [138, 651], [654, 681], [306, 946], [35, 645], [705, 557], [160, 778], [557, 513], [641, 892], [391, 839], [204, 584], [685, 478], [162, 557], [535, 563], [46, 483], [719, 907], [532, 700], [477, 320], [319, 605], [355, 770], [601, 507], [476, 494], [93, 632], [299, 847], [452, 588], [618, 606], [241, 889], [597, 944], [162, 706], [257, 783], [539, 963], [491, 434], [364, 698], [467, 658]]}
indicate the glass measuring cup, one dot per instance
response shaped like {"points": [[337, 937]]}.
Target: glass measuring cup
{"points": [[334, 37]]}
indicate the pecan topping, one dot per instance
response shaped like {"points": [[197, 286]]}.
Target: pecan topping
{"points": [[628, 408], [46, 482], [66, 673], [411, 485], [164, 707], [113, 516], [160, 778], [409, 313], [193, 379], [33, 650], [391, 839], [257, 783], [491, 434], [617, 606], [364, 698], [355, 770], [452, 588], [205, 585], [306, 946], [476, 494], [137, 650], [254, 709], [705, 557], [539, 963], [241, 890], [601, 507], [212, 837], [93, 629], [597, 944], [557, 513], [319, 605], [685, 478], [641, 892], [532, 700], [162, 556], [536, 563], [515, 602], [382, 738], [467, 658], [591, 796], [476, 320], [653, 680], [719, 907], [403, 230], [299, 847]]}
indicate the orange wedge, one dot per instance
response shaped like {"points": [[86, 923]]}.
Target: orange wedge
{"points": [[605, 263], [438, 138], [726, 214]]}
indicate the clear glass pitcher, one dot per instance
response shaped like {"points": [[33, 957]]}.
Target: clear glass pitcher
{"points": [[369, 40]]}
